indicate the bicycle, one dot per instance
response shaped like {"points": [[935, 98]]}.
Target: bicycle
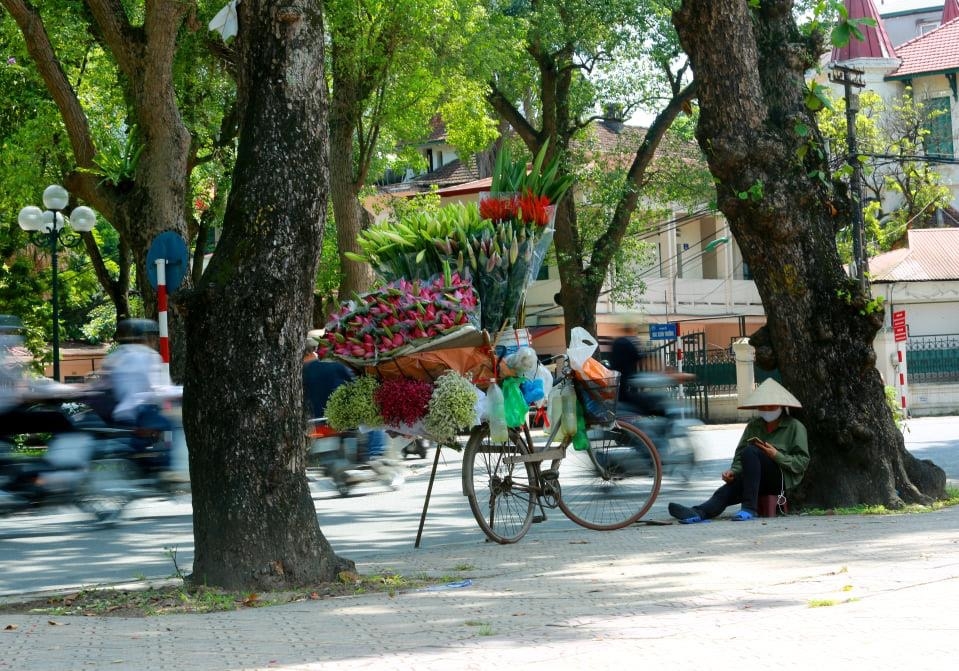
{"points": [[608, 485]]}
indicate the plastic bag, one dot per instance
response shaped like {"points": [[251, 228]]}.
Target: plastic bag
{"points": [[581, 439], [554, 409], [516, 407], [580, 353], [496, 414], [581, 348], [532, 391], [544, 376], [523, 362]]}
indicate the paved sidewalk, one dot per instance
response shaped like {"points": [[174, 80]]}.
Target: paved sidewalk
{"points": [[857, 592]]}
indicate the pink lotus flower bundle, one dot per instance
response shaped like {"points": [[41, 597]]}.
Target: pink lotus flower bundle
{"points": [[391, 320]]}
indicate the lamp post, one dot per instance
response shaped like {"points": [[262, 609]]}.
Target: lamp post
{"points": [[53, 223]]}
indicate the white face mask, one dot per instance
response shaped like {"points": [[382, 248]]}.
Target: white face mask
{"points": [[771, 415]]}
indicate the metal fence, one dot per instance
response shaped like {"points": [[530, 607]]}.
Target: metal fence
{"points": [[932, 358]]}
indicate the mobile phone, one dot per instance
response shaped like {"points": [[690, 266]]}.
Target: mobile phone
{"points": [[755, 441]]}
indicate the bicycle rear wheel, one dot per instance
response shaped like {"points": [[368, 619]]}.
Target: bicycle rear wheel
{"points": [[614, 482], [500, 491]]}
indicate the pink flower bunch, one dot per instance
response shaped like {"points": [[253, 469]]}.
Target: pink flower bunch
{"points": [[403, 401], [399, 314]]}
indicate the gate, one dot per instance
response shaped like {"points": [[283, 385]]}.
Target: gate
{"points": [[695, 393]]}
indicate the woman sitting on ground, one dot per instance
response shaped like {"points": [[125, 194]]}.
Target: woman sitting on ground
{"points": [[771, 458]]}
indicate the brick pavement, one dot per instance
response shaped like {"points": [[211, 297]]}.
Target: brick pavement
{"points": [[715, 596]]}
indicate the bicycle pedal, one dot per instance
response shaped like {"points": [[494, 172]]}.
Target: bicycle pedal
{"points": [[539, 518]]}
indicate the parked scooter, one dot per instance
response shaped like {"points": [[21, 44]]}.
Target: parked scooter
{"points": [[345, 458]]}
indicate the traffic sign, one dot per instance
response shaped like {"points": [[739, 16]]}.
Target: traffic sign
{"points": [[899, 329], [663, 331], [170, 246]]}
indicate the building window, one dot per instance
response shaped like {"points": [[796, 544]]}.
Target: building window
{"points": [[429, 161], [939, 124], [439, 160]]}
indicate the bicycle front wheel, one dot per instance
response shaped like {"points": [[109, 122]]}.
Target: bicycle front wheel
{"points": [[500, 490], [614, 482]]}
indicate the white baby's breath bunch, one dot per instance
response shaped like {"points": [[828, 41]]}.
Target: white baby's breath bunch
{"points": [[452, 408]]}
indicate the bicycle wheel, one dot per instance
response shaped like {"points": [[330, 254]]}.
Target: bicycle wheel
{"points": [[501, 493], [614, 482]]}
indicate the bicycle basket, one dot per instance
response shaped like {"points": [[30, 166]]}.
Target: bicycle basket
{"points": [[598, 397]]}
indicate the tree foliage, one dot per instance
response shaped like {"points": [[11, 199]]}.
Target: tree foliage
{"points": [[577, 63], [902, 188]]}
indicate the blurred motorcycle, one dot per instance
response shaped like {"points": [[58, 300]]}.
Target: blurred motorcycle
{"points": [[658, 412], [349, 459], [86, 463]]}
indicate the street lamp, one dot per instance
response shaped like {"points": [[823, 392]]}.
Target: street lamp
{"points": [[53, 223]]}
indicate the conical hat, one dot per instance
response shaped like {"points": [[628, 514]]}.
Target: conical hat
{"points": [[770, 392]]}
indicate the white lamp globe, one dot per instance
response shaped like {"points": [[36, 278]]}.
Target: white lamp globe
{"points": [[55, 197], [30, 218], [83, 219]]}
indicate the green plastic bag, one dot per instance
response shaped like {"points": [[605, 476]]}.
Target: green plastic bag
{"points": [[517, 409], [580, 440]]}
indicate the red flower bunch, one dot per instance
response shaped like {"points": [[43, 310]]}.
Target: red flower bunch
{"points": [[499, 208], [403, 401], [535, 209]]}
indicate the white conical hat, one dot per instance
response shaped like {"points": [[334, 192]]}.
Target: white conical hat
{"points": [[770, 392]]}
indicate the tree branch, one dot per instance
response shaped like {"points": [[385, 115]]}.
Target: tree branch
{"points": [[45, 58], [605, 247]]}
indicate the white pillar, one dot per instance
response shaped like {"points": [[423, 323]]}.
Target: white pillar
{"points": [[745, 373]]}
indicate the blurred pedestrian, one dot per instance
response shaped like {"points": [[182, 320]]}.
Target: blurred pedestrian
{"points": [[320, 378]]}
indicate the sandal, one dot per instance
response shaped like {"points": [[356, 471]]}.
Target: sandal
{"points": [[742, 516]]}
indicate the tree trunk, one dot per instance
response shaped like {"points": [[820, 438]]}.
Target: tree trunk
{"points": [[253, 517], [820, 326], [347, 210]]}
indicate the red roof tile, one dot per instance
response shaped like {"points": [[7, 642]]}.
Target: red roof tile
{"points": [[930, 255], [934, 52]]}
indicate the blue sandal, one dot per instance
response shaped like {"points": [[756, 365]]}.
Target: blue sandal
{"points": [[685, 515], [743, 515]]}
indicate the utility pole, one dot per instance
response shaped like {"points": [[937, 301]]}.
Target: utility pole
{"points": [[849, 78]]}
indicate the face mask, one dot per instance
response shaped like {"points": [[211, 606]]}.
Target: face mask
{"points": [[771, 415]]}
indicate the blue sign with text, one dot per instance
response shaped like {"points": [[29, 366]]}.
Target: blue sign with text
{"points": [[662, 331]]}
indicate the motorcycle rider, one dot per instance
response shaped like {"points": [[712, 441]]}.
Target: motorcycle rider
{"points": [[131, 375]]}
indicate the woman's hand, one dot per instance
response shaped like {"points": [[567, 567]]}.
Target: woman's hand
{"points": [[728, 476]]}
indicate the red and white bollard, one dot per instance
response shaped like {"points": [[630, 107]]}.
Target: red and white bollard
{"points": [[162, 316]]}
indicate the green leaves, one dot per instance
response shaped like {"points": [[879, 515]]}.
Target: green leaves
{"points": [[511, 176], [817, 97]]}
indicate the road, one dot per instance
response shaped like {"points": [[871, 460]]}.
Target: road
{"points": [[63, 549]]}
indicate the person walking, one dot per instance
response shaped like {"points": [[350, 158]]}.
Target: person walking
{"points": [[771, 458]]}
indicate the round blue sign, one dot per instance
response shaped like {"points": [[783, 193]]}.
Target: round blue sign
{"points": [[170, 246]]}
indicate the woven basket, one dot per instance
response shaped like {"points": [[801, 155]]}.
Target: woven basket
{"points": [[599, 398]]}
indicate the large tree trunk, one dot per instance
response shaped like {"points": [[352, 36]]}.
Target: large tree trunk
{"points": [[253, 517], [820, 326]]}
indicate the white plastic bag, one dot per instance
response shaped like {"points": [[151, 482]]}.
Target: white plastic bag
{"points": [[581, 347], [542, 373]]}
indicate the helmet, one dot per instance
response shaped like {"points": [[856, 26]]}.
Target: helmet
{"points": [[136, 330]]}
